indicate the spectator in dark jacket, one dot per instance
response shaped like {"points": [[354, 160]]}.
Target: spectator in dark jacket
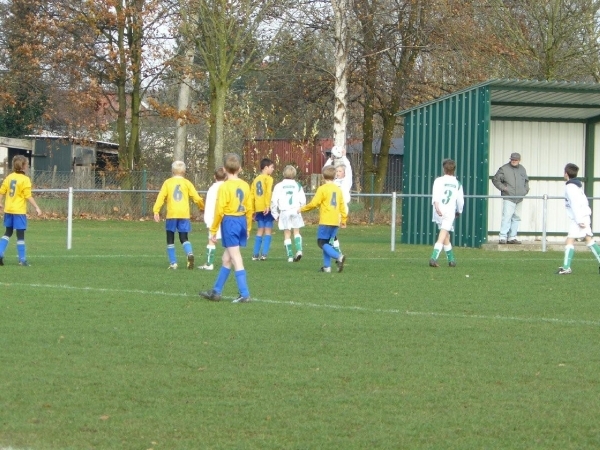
{"points": [[512, 181]]}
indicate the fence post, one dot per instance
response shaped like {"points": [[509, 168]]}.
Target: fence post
{"points": [[144, 181], [371, 217], [70, 218], [544, 220], [394, 221]]}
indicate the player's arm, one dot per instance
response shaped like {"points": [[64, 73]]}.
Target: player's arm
{"points": [[579, 204], [249, 213], [2, 194], [160, 200], [498, 180], [301, 195], [252, 195], [268, 193], [193, 193], [460, 201], [314, 203], [349, 173], [341, 206], [31, 200], [436, 196]]}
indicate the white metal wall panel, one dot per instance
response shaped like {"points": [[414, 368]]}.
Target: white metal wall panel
{"points": [[545, 148], [596, 203]]}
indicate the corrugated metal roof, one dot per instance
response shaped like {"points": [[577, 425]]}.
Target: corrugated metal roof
{"points": [[536, 100]]}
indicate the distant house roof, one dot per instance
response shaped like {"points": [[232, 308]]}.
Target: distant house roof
{"points": [[535, 100], [109, 147], [397, 147]]}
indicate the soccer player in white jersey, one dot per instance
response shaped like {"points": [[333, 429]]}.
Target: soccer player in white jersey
{"points": [[288, 196], [338, 157], [209, 214], [579, 214], [343, 182], [448, 201]]}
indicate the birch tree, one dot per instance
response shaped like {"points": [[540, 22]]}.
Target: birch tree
{"points": [[341, 11]]}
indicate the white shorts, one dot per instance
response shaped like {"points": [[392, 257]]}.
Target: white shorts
{"points": [[444, 222], [218, 233], [289, 220], [576, 232]]}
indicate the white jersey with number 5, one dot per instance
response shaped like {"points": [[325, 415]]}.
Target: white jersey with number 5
{"points": [[449, 197]]}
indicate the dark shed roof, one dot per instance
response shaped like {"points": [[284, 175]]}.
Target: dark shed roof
{"points": [[537, 100]]}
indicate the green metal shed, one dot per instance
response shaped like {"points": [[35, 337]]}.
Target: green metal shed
{"points": [[481, 125]]}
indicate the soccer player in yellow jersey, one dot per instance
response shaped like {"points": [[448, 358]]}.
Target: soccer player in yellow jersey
{"points": [[260, 194], [233, 214], [16, 190], [176, 193], [332, 215]]}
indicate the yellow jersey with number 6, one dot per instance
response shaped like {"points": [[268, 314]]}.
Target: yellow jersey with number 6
{"points": [[176, 193]]}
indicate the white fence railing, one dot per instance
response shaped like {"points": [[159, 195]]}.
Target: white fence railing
{"points": [[142, 201]]}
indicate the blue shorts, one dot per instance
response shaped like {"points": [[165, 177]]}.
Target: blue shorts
{"points": [[234, 231], [264, 220], [179, 225], [326, 232], [15, 221]]}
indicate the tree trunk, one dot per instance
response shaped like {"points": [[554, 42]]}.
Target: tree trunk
{"points": [[366, 12], [340, 10], [389, 123], [218, 122], [121, 92], [183, 104]]}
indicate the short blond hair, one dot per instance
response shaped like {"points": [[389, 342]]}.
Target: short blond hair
{"points": [[289, 172], [178, 168], [233, 163], [328, 173]]}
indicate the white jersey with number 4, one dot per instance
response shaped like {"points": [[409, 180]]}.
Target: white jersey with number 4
{"points": [[449, 197]]}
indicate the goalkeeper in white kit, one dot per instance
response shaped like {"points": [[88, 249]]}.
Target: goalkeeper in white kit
{"points": [[448, 201], [288, 196]]}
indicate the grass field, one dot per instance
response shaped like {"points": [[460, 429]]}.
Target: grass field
{"points": [[101, 347]]}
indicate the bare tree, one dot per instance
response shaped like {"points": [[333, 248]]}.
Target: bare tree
{"points": [[113, 49], [23, 89], [407, 52], [549, 40], [228, 43]]}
